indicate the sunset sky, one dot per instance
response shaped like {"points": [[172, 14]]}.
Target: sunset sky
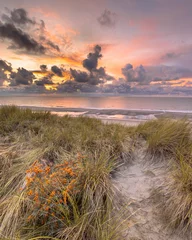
{"points": [[146, 44]]}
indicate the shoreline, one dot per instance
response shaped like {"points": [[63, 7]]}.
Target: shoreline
{"points": [[130, 113], [110, 111], [128, 117]]}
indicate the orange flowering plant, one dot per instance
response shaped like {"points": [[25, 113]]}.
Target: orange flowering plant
{"points": [[52, 191]]}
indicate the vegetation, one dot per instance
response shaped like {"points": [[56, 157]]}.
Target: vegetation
{"points": [[171, 141], [55, 174]]}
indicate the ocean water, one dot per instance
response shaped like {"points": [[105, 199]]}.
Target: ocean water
{"points": [[134, 103]]}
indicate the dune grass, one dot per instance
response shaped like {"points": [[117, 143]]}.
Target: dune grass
{"points": [[165, 136], [55, 174], [171, 141], [82, 205]]}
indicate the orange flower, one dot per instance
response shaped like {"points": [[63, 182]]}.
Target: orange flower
{"points": [[36, 198], [47, 169], [52, 194], [47, 182], [30, 193], [53, 175], [29, 180], [64, 181], [47, 208]]}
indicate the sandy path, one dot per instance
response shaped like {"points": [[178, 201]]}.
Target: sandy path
{"points": [[137, 183]]}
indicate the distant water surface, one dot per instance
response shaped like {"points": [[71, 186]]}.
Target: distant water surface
{"points": [[144, 103], [109, 102]]}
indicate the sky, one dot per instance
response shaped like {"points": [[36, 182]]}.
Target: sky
{"points": [[124, 46]]}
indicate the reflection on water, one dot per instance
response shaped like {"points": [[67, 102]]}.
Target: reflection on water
{"points": [[110, 102]]}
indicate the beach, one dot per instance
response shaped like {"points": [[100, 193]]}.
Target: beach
{"points": [[123, 109]]}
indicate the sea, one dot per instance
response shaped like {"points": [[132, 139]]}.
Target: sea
{"points": [[102, 106]]}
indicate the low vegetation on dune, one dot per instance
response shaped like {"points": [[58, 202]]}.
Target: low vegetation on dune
{"points": [[165, 137], [171, 141], [55, 174]]}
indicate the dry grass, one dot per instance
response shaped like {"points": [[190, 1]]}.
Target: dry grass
{"points": [[89, 211], [171, 141], [27, 136], [165, 136]]}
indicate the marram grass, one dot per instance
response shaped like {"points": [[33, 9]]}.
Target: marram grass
{"points": [[55, 174]]}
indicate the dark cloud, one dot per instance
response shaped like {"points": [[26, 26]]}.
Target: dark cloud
{"points": [[45, 80], [91, 62], [21, 77], [121, 88], [73, 86], [20, 39], [43, 67], [128, 72], [57, 71], [141, 75], [18, 16], [15, 27], [53, 45], [5, 66], [96, 75], [107, 19], [137, 75], [79, 76], [83, 77], [49, 43]]}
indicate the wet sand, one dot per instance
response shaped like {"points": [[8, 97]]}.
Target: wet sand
{"points": [[121, 116]]}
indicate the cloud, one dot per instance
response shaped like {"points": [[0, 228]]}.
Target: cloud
{"points": [[21, 77], [57, 71], [53, 45], [5, 66], [107, 19], [36, 39], [94, 78], [18, 16], [43, 67], [91, 62], [20, 39], [73, 86], [44, 81], [121, 88], [96, 75], [79, 76], [137, 75], [168, 73]]}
